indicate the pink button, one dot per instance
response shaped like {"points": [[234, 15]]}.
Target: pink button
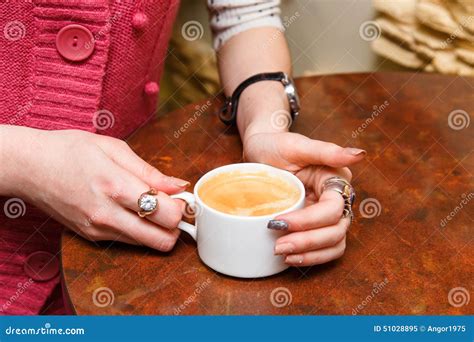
{"points": [[139, 20], [151, 88], [75, 42], [41, 266]]}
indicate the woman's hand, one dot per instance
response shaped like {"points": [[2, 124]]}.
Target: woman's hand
{"points": [[318, 231], [91, 184]]}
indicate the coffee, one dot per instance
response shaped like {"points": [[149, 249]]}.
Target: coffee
{"points": [[248, 193]]}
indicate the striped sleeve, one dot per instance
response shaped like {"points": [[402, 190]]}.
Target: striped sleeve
{"points": [[230, 17]]}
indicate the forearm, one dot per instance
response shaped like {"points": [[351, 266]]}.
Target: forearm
{"points": [[248, 53], [14, 143]]}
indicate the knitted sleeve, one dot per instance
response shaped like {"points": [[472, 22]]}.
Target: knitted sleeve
{"points": [[229, 17]]}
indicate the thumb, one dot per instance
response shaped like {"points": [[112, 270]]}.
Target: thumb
{"points": [[316, 152]]}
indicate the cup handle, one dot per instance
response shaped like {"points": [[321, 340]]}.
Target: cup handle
{"points": [[191, 201]]}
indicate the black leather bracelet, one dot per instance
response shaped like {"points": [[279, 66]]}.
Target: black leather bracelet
{"points": [[228, 114]]}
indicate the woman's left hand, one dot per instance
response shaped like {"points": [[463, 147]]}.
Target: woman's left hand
{"points": [[318, 231]]}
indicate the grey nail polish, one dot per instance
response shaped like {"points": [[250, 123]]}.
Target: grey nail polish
{"points": [[277, 225]]}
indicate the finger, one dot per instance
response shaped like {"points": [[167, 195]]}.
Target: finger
{"points": [[326, 212], [320, 256], [130, 228], [107, 235], [316, 152], [169, 211], [125, 157], [326, 173], [312, 240]]}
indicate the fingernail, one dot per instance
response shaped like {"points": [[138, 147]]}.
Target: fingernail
{"points": [[294, 259], [355, 151], [284, 248], [180, 182], [277, 225]]}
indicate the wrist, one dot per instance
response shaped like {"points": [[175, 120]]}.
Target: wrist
{"points": [[14, 145], [263, 108]]}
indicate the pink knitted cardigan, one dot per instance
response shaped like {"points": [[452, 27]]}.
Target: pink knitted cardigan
{"points": [[111, 92]]}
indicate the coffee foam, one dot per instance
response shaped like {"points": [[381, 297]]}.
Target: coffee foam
{"points": [[248, 193]]}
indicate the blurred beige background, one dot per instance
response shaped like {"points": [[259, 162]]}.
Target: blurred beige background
{"points": [[324, 38]]}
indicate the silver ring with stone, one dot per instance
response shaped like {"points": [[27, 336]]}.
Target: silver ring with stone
{"points": [[148, 203], [346, 190]]}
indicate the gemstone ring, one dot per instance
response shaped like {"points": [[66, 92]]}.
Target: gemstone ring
{"points": [[147, 202], [346, 190]]}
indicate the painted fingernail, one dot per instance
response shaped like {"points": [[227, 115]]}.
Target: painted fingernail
{"points": [[277, 225], [355, 151], [294, 259], [180, 182], [284, 248]]}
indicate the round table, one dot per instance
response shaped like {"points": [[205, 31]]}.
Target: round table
{"points": [[409, 250]]}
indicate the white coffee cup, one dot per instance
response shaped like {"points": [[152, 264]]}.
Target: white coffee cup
{"points": [[239, 246]]}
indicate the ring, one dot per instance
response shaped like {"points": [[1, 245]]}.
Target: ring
{"points": [[346, 190], [147, 202]]}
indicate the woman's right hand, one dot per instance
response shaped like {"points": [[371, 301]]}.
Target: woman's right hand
{"points": [[91, 184]]}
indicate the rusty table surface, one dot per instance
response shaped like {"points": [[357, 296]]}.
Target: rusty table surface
{"points": [[404, 255]]}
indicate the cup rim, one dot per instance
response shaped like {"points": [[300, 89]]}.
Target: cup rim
{"points": [[222, 168]]}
